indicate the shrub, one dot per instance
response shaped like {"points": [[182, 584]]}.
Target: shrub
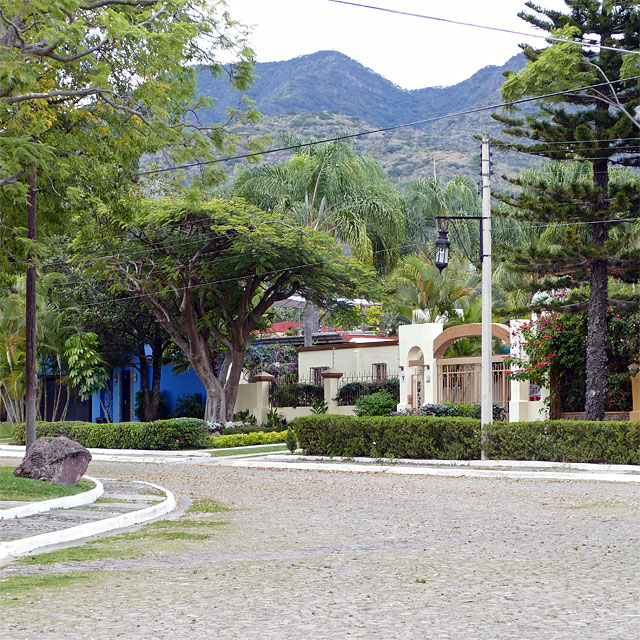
{"points": [[351, 391], [247, 439], [397, 437], [246, 417], [605, 442], [453, 410], [189, 405], [291, 440], [176, 433], [376, 404]]}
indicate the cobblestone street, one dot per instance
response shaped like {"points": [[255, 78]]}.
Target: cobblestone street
{"points": [[336, 555]]}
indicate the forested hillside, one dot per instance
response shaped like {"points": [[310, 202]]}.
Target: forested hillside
{"points": [[327, 94]]}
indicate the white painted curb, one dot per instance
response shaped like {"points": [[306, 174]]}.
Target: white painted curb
{"points": [[87, 529], [434, 471], [66, 502]]}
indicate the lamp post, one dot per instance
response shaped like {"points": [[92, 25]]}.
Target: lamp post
{"points": [[484, 254]]}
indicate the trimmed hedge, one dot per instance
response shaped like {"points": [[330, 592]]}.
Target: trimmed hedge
{"points": [[176, 433], [389, 437], [605, 442], [426, 437], [246, 439]]}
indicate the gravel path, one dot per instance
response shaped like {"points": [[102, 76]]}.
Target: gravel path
{"points": [[335, 555]]}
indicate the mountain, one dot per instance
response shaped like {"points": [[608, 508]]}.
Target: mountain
{"points": [[327, 93]]}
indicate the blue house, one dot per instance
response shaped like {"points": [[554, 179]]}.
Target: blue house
{"points": [[119, 398]]}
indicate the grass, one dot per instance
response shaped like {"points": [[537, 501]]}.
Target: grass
{"points": [[233, 452], [206, 505], [27, 490], [152, 539], [15, 586]]}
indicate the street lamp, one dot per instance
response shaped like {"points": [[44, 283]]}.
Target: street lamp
{"points": [[442, 249], [484, 254]]}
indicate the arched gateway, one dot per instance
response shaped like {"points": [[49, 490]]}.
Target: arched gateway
{"points": [[428, 377]]}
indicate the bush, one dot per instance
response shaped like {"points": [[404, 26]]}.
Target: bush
{"points": [[190, 405], [176, 433], [453, 410], [377, 404], [291, 440], [247, 439], [605, 442], [351, 391], [389, 437]]}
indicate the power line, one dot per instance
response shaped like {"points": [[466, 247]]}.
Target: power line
{"points": [[406, 245], [349, 136], [582, 43]]}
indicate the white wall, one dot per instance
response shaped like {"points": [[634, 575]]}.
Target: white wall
{"points": [[355, 361]]}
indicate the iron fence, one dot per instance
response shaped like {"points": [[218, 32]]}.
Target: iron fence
{"points": [[287, 391], [352, 387]]}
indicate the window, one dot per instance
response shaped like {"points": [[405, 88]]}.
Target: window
{"points": [[380, 371], [315, 374]]}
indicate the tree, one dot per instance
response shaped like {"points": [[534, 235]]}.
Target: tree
{"points": [[418, 286], [330, 187], [85, 89], [209, 271], [429, 198], [586, 126]]}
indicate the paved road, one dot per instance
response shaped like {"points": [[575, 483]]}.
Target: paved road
{"points": [[334, 555]]}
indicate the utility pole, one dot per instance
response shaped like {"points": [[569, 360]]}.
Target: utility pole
{"points": [[31, 380], [486, 380]]}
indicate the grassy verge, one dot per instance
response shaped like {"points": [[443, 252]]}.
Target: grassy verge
{"points": [[27, 490], [14, 587], [242, 451], [158, 538]]}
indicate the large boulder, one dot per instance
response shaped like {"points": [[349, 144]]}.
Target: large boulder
{"points": [[58, 460]]}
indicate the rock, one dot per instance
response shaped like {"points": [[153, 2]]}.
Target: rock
{"points": [[58, 460]]}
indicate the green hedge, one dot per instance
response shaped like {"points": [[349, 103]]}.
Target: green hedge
{"points": [[247, 439], [389, 437], [176, 433], [606, 442], [426, 437]]}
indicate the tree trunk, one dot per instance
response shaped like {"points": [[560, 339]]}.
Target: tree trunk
{"points": [[157, 349], [311, 322], [31, 379], [233, 381], [595, 397], [144, 386]]}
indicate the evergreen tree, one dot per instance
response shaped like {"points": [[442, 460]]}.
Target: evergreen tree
{"points": [[596, 126]]}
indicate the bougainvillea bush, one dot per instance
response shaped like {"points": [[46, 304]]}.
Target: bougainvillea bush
{"points": [[555, 353]]}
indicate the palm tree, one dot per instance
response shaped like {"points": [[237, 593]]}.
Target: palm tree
{"points": [[429, 198], [332, 188], [423, 294]]}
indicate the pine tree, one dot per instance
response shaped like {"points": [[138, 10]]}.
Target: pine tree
{"points": [[597, 126]]}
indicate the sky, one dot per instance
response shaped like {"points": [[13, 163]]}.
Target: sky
{"points": [[411, 52]]}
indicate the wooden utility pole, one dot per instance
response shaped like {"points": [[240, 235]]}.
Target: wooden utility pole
{"points": [[31, 380]]}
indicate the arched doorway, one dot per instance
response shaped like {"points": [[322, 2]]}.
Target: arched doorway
{"points": [[458, 378]]}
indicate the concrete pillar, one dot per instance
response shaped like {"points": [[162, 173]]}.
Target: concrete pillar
{"points": [[262, 382], [635, 391], [330, 379]]}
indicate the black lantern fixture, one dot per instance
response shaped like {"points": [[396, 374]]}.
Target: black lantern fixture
{"points": [[442, 250]]}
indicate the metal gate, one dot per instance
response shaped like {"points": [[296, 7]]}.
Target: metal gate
{"points": [[459, 381]]}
